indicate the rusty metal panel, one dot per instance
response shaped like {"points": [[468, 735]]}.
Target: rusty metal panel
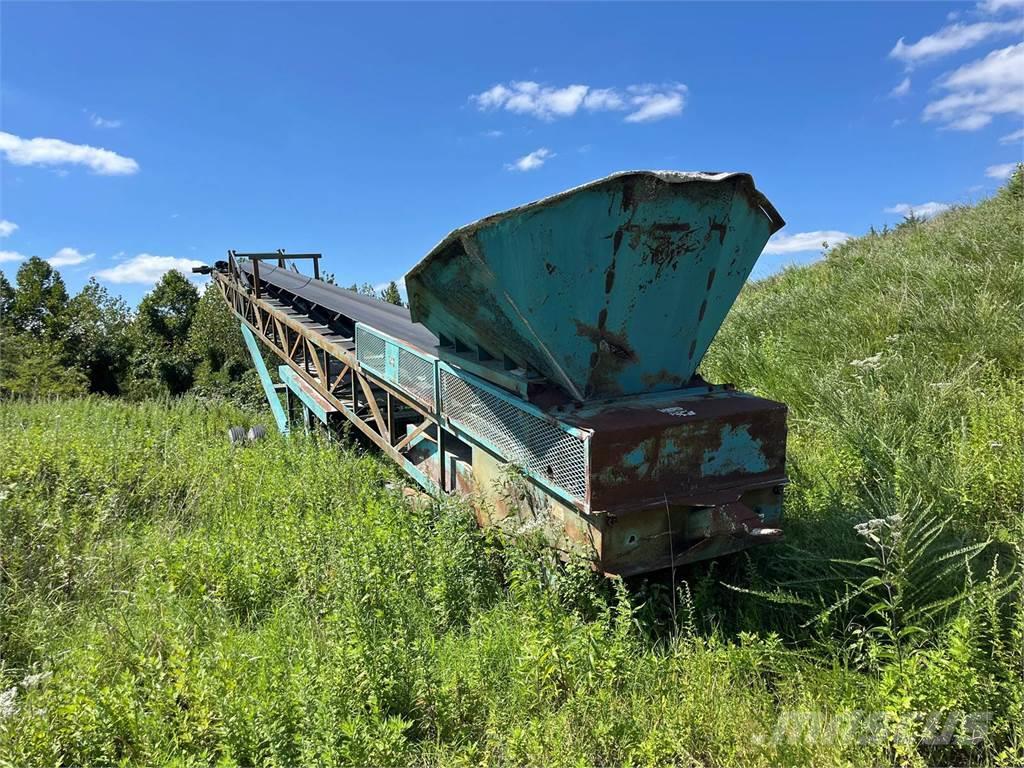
{"points": [[609, 289], [694, 449]]}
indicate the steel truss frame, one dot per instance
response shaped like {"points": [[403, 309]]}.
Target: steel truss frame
{"points": [[332, 369]]}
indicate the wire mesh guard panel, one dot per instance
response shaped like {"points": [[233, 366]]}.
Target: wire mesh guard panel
{"points": [[416, 376], [370, 349], [522, 438]]}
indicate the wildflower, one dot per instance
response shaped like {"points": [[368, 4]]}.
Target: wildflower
{"points": [[868, 363]]}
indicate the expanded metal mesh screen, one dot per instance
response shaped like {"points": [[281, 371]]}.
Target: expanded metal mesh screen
{"points": [[370, 349], [523, 438], [416, 376], [411, 372]]}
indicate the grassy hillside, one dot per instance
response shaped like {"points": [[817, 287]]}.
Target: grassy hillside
{"points": [[166, 598], [901, 357]]}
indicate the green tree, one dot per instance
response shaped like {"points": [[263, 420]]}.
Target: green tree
{"points": [[364, 290], [6, 300], [39, 300], [34, 358], [214, 336], [167, 311], [391, 294], [163, 362], [222, 359], [36, 369], [96, 339], [8, 333]]}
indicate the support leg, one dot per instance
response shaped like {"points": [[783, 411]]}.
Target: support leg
{"points": [[268, 385]]}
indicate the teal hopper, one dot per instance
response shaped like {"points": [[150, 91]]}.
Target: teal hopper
{"points": [[613, 288]]}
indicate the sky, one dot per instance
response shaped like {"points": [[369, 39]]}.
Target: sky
{"points": [[141, 137]]}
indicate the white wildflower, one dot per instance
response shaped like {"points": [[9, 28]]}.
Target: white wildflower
{"points": [[868, 363]]}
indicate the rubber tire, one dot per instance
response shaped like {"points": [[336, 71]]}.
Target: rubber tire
{"points": [[236, 435]]}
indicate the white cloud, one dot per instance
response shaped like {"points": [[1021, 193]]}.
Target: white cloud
{"points": [[902, 89], [1012, 138], [492, 98], [1001, 171], [953, 38], [7, 227], [532, 161], [656, 102], [603, 98], [69, 257], [995, 6], [102, 122], [41, 151], [800, 242], [980, 90], [526, 97], [643, 102], [494, 134], [12, 256], [921, 210], [145, 268]]}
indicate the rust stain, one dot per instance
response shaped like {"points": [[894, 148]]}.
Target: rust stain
{"points": [[721, 227], [652, 380], [615, 344], [609, 277], [627, 195], [612, 352], [661, 244]]}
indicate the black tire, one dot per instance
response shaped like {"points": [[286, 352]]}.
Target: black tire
{"points": [[236, 435], [257, 432]]}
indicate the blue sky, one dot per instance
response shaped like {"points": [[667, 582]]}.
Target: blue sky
{"points": [[137, 137]]}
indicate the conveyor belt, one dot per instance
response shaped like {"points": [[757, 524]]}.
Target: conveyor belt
{"points": [[380, 315]]}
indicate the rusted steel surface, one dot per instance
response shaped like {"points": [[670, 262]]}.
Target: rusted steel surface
{"points": [[690, 449], [657, 538]]}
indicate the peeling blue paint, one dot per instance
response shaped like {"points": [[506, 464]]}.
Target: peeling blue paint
{"points": [[636, 457], [738, 452]]}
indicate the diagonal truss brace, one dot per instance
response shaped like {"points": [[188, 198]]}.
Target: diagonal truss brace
{"points": [[265, 380]]}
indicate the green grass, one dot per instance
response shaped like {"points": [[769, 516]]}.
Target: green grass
{"points": [[901, 359], [285, 603]]}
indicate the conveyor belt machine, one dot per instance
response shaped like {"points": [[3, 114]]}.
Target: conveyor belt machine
{"points": [[546, 367]]}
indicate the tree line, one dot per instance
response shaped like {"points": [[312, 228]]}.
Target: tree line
{"points": [[178, 339]]}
